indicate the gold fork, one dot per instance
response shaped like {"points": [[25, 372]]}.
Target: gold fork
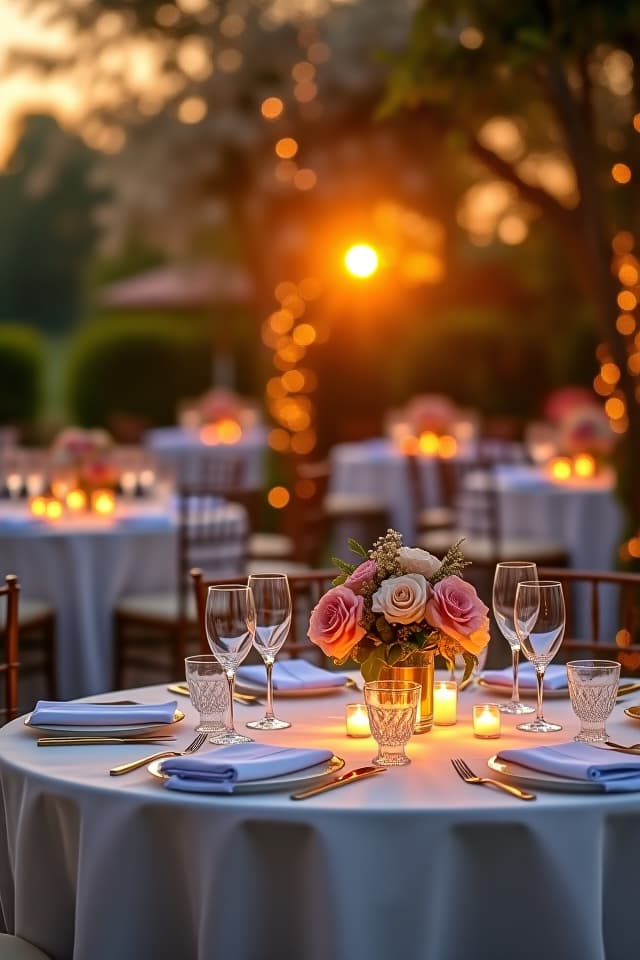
{"points": [[128, 767], [467, 774]]}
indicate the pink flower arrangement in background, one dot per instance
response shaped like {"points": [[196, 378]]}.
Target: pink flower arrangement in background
{"points": [[586, 429], [87, 454], [432, 412], [398, 600]]}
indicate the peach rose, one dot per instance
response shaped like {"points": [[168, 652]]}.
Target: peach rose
{"points": [[334, 625], [401, 599], [455, 608]]}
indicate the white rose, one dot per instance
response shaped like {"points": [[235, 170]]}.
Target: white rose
{"points": [[415, 560], [402, 599]]}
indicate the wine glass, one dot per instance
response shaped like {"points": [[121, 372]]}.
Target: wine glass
{"points": [[273, 618], [230, 620], [505, 580], [539, 618]]}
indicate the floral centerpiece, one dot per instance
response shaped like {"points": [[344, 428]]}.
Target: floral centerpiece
{"points": [[397, 600], [87, 454]]}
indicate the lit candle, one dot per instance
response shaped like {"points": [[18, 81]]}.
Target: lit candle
{"points": [[38, 506], [76, 501], [53, 509], [486, 720], [584, 465], [445, 702], [357, 720], [560, 468], [103, 502]]}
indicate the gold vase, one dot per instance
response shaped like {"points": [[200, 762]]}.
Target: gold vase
{"points": [[419, 668]]}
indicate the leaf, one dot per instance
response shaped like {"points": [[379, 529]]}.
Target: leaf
{"points": [[385, 632], [395, 653], [339, 580], [469, 663], [371, 667], [347, 568], [357, 548]]}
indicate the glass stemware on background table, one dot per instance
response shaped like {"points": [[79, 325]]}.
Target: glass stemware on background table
{"points": [[505, 581], [230, 621], [539, 618], [272, 600]]}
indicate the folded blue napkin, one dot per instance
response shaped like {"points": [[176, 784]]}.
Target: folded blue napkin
{"points": [[613, 772], [555, 677], [293, 675], [64, 712], [219, 771]]}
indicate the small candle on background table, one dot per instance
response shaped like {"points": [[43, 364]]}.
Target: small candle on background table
{"points": [[445, 702], [486, 720], [357, 720]]}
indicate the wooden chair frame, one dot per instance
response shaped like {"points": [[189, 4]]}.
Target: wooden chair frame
{"points": [[11, 665]]}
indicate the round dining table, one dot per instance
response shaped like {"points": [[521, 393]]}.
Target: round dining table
{"points": [[410, 863], [82, 564]]}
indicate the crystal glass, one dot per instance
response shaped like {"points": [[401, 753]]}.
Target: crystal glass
{"points": [[208, 690], [539, 617], [506, 578], [593, 688], [273, 618], [230, 621], [392, 707]]}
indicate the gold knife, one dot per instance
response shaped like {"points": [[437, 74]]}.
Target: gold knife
{"points": [[358, 774], [84, 741], [183, 690], [633, 748], [627, 688]]}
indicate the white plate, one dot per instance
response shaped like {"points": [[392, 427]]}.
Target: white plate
{"points": [[525, 777], [100, 730], [301, 778], [505, 691], [260, 689]]}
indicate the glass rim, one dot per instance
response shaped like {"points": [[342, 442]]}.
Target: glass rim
{"points": [[516, 564], [228, 586], [593, 664], [400, 685], [267, 576], [540, 583], [201, 658]]}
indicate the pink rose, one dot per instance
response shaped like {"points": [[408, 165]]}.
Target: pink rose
{"points": [[362, 575], [455, 608], [334, 623]]}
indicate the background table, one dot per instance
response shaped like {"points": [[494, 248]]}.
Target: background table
{"points": [[83, 565], [182, 451], [412, 863]]}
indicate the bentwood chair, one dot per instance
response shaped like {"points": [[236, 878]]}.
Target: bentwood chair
{"points": [[9, 665], [608, 597], [210, 534], [306, 588]]}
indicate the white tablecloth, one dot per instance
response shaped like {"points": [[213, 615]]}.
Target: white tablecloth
{"points": [[412, 863], [82, 566], [182, 450]]}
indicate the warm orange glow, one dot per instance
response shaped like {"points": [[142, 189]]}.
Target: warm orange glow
{"points": [[633, 546], [614, 408], [560, 468], [610, 372], [292, 381], [621, 173], [627, 300], [304, 335], [286, 148], [76, 500], [271, 108], [447, 447], [628, 274], [310, 288], [623, 242], [279, 440], [626, 324], [38, 506], [361, 260], [53, 509], [623, 638], [303, 442], [584, 465], [278, 497], [225, 431], [428, 443], [305, 179], [103, 502]]}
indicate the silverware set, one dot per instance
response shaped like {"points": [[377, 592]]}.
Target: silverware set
{"points": [[466, 773]]}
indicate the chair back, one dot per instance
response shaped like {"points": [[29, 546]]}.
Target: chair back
{"points": [[213, 535], [306, 588], [9, 664], [608, 596]]}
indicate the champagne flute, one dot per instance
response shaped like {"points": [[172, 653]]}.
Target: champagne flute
{"points": [[230, 620], [539, 617], [273, 619], [506, 578]]}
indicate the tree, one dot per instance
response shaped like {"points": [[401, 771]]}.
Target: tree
{"points": [[544, 96]]}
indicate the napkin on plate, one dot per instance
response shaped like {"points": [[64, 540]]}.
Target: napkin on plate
{"points": [[293, 675], [555, 677], [71, 713], [220, 770], [580, 761]]}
